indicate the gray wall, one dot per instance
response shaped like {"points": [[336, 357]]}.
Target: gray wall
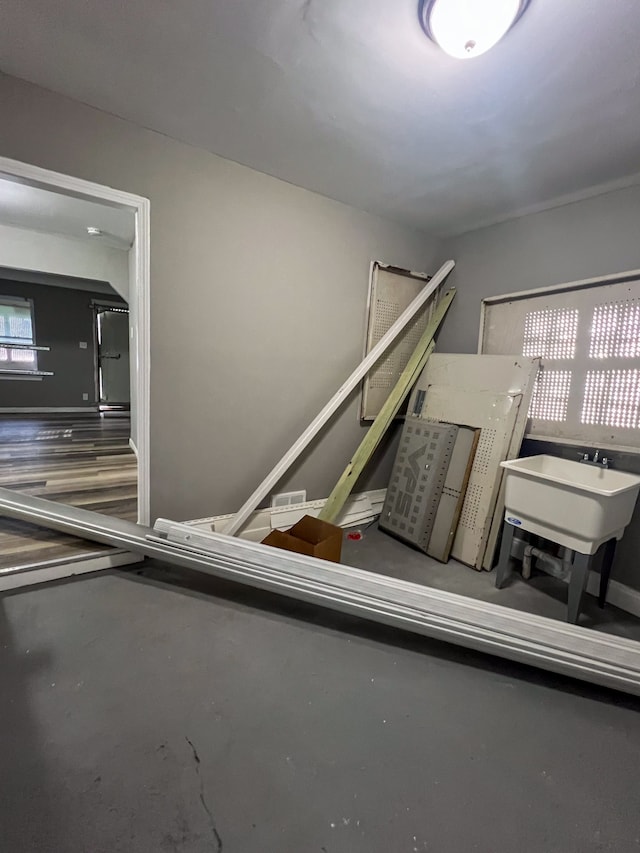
{"points": [[258, 294], [63, 317], [589, 238], [25, 249]]}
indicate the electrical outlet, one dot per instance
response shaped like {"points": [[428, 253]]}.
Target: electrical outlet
{"points": [[83, 344], [85, 396]]}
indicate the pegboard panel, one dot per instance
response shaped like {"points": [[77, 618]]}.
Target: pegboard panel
{"points": [[484, 451], [417, 480], [472, 505], [551, 395], [483, 392], [495, 415], [481, 494], [551, 333], [615, 330], [386, 313], [587, 335], [612, 398], [390, 292]]}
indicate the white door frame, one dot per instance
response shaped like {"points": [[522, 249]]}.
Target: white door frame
{"points": [[139, 293]]}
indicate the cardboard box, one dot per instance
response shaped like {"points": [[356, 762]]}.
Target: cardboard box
{"points": [[309, 536]]}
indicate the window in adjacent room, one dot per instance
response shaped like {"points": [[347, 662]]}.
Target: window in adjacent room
{"points": [[16, 333]]}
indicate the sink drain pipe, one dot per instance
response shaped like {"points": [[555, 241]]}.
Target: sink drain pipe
{"points": [[558, 567]]}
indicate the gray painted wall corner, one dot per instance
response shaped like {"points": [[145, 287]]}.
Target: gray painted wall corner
{"points": [[593, 237]]}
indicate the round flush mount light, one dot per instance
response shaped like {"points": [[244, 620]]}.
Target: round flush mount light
{"points": [[92, 231], [468, 28]]}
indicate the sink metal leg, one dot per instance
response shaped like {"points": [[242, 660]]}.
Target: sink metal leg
{"points": [[577, 585], [605, 570], [503, 569]]}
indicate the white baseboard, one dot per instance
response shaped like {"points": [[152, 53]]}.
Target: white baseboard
{"points": [[43, 410], [263, 521], [133, 447], [360, 508], [64, 568], [618, 594]]}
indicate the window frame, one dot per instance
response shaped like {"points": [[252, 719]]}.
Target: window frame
{"points": [[10, 369], [600, 441]]}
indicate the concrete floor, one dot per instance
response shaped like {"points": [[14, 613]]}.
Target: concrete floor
{"points": [[380, 553], [150, 711]]}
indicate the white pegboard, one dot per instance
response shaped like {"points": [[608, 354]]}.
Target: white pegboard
{"points": [[472, 505], [612, 399], [390, 291], [551, 392], [551, 333], [494, 415], [587, 335], [484, 392], [615, 330]]}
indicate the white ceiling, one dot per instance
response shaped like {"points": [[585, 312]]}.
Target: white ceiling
{"points": [[349, 98], [54, 213]]}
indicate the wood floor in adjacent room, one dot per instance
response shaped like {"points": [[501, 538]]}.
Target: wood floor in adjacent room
{"points": [[83, 461]]}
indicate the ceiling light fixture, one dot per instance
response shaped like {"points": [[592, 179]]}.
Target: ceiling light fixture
{"points": [[92, 231], [468, 28]]}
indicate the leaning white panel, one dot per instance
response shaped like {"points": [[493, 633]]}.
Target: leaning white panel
{"points": [[391, 291], [483, 392], [556, 646], [530, 370], [495, 415]]}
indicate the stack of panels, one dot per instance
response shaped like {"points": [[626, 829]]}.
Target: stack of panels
{"points": [[490, 393], [417, 480], [453, 494]]}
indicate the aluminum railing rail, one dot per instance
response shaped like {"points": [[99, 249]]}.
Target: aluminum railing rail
{"points": [[530, 639]]}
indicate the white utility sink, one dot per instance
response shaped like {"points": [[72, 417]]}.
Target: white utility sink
{"points": [[574, 504]]}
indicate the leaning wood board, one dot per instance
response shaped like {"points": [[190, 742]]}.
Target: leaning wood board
{"points": [[389, 410]]}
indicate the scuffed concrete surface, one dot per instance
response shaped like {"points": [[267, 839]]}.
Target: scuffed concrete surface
{"points": [[147, 713]]}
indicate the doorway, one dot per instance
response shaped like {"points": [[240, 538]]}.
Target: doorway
{"points": [[76, 412], [139, 295], [113, 385], [57, 440]]}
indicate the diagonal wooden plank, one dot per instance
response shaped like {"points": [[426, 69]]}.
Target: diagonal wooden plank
{"points": [[384, 419], [325, 415]]}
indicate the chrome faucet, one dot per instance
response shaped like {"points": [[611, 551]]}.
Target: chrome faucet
{"points": [[605, 462]]}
